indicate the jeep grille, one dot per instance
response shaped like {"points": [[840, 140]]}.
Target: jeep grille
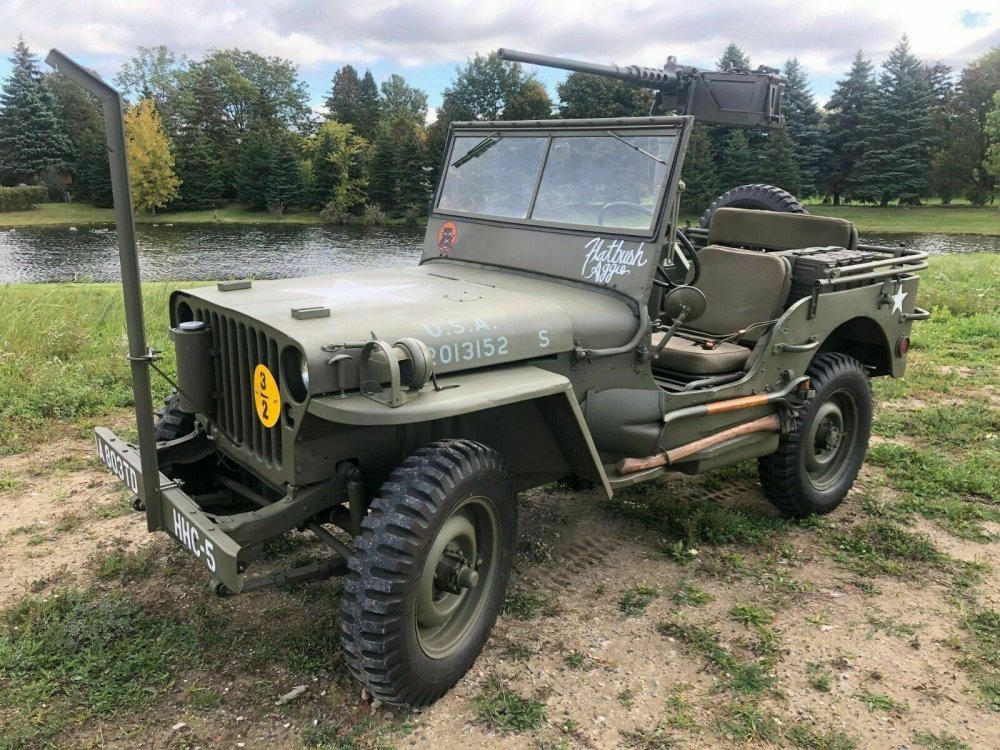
{"points": [[239, 348]]}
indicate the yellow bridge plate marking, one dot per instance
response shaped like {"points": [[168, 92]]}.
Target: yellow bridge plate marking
{"points": [[265, 396]]}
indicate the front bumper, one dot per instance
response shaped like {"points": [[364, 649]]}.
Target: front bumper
{"points": [[224, 557]]}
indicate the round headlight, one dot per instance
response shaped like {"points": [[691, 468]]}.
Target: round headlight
{"points": [[295, 370]]}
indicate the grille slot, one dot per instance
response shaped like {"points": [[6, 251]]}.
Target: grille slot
{"points": [[239, 348]]}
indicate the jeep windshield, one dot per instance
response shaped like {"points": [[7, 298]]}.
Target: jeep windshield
{"points": [[609, 178]]}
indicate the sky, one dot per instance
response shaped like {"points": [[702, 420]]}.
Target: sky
{"points": [[425, 41]]}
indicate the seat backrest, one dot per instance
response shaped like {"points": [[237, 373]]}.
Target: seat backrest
{"points": [[743, 227], [741, 287]]}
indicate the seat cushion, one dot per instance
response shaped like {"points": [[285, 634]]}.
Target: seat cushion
{"points": [[684, 355], [743, 227], [742, 287]]}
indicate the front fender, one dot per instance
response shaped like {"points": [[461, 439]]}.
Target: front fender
{"points": [[472, 392]]}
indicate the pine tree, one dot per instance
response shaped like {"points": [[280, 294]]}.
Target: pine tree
{"points": [[802, 123], [896, 133], [734, 58], [81, 118], [778, 164], [700, 177], [384, 171], [199, 172], [369, 107], [343, 99], [737, 161], [412, 187], [150, 158], [31, 139], [202, 107], [93, 177], [253, 162], [284, 177], [843, 127]]}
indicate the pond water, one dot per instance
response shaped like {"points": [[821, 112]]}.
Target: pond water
{"points": [[204, 251], [267, 251]]}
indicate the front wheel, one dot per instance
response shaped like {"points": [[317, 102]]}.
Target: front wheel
{"points": [[430, 571], [817, 462]]}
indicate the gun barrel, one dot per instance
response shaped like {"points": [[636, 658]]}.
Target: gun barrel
{"points": [[654, 78]]}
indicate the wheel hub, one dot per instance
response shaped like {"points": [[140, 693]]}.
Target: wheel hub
{"points": [[454, 574], [458, 573], [829, 441]]}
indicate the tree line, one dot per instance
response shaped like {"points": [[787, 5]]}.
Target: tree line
{"points": [[234, 125]]}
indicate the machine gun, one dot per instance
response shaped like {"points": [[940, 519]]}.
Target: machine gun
{"points": [[722, 98]]}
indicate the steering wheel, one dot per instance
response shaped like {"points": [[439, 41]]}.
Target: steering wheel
{"points": [[692, 265], [616, 204]]}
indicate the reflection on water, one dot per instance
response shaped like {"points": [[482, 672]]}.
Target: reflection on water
{"points": [[204, 251], [269, 251]]}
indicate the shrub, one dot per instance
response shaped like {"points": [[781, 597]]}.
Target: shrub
{"points": [[22, 197], [373, 215]]}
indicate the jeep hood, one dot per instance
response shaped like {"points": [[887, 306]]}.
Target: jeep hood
{"points": [[468, 316]]}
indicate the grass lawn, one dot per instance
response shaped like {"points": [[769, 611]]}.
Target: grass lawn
{"points": [[924, 219], [957, 219], [82, 213]]}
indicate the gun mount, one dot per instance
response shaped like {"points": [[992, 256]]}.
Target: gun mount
{"points": [[721, 98]]}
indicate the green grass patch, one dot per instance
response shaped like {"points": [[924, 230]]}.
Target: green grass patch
{"points": [[688, 593], [749, 722], [819, 677], [751, 615], [942, 741], [981, 652], [634, 601], [62, 355], [810, 737], [657, 738], [577, 659], [73, 656], [126, 565], [526, 604], [751, 676], [878, 547], [878, 702], [693, 522], [503, 709]]}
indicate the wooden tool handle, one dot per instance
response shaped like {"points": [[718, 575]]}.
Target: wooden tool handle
{"points": [[770, 423]]}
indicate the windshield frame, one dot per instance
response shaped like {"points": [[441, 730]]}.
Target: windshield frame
{"points": [[621, 129]]}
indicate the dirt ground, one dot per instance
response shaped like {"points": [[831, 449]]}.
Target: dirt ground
{"points": [[606, 679]]}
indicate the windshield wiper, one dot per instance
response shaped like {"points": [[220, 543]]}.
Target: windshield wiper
{"points": [[637, 148], [479, 149]]}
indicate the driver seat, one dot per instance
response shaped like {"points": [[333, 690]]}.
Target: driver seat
{"points": [[741, 287]]}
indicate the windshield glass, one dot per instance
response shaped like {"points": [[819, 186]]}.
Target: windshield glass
{"points": [[492, 176], [594, 179]]}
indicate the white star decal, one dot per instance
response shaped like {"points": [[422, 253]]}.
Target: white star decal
{"points": [[343, 292], [897, 300]]}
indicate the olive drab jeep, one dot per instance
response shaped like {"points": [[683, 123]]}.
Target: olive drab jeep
{"points": [[560, 324]]}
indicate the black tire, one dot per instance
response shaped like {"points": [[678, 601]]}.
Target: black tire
{"points": [[389, 647], [173, 423], [758, 197], [816, 464]]}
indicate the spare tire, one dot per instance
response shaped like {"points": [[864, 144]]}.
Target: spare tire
{"points": [[757, 197]]}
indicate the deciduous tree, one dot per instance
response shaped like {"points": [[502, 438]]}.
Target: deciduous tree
{"points": [[582, 95], [150, 158]]}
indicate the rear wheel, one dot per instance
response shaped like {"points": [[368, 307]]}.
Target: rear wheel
{"points": [[816, 464], [430, 571], [758, 197]]}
